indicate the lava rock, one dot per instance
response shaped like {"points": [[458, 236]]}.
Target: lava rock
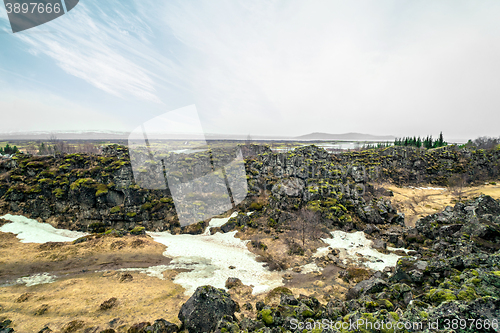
{"points": [[202, 311]]}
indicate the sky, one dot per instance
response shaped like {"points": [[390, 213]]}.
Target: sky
{"points": [[263, 67]]}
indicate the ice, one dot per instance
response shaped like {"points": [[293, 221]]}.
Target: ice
{"points": [[32, 231]]}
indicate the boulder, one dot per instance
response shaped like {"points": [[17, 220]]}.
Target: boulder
{"points": [[139, 328], [372, 285], [4, 327], [163, 326], [233, 282], [203, 311]]}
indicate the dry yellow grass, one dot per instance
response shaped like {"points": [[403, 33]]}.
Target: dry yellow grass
{"points": [[416, 203], [78, 294], [142, 299]]}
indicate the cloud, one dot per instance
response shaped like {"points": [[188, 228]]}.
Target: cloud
{"points": [[35, 111], [386, 67], [290, 67], [97, 47]]}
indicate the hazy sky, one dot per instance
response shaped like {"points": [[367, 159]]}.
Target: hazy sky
{"points": [[259, 67]]}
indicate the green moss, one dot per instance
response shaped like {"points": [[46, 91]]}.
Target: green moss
{"points": [[115, 210], [36, 165], [34, 189], [388, 305], [131, 214], [267, 316], [58, 192], [467, 294], [255, 206], [82, 182], [424, 314], [101, 189], [394, 315], [137, 230], [497, 273], [47, 173], [307, 313], [97, 227], [441, 295], [475, 281], [64, 167], [277, 291], [147, 206]]}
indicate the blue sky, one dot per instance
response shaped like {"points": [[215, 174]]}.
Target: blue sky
{"points": [[261, 67]]}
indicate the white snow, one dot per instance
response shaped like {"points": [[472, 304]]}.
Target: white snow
{"points": [[32, 280], [220, 222], [209, 258], [351, 244], [428, 188], [310, 268], [153, 271], [32, 231]]}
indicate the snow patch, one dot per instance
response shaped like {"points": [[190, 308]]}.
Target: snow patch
{"points": [[153, 271], [32, 280], [352, 244], [209, 258], [310, 268], [428, 188], [220, 222], [32, 231]]}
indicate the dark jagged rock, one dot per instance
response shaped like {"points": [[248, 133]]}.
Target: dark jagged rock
{"points": [[372, 285], [139, 327], [108, 304], [204, 309], [163, 326], [46, 329], [73, 326], [4, 326]]}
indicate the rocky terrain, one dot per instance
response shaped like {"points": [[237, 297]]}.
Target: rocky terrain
{"points": [[86, 192], [447, 280]]}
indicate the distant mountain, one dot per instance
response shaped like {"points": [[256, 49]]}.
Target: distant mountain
{"points": [[120, 136], [345, 137]]}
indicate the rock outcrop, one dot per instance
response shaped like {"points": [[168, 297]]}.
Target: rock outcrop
{"points": [[206, 308]]}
